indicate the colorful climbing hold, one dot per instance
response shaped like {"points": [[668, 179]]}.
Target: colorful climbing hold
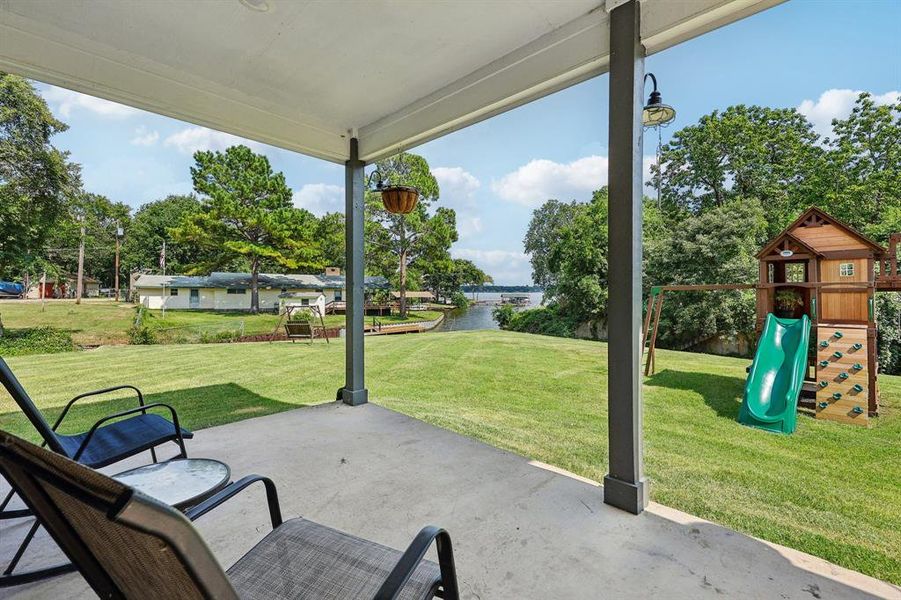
{"points": [[824, 363], [823, 383], [837, 354], [842, 375], [838, 335], [824, 344], [857, 388], [857, 367], [857, 410], [837, 396], [856, 346], [824, 405]]}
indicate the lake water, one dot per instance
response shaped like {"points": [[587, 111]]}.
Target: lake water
{"points": [[478, 316]]}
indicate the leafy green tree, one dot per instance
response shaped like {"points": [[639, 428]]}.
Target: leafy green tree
{"points": [[99, 216], [864, 166], [718, 246], [544, 227], [36, 179], [573, 256], [396, 244], [246, 212], [330, 237], [150, 227], [770, 154], [445, 277], [578, 260]]}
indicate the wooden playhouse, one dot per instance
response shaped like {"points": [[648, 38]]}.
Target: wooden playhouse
{"points": [[825, 269]]}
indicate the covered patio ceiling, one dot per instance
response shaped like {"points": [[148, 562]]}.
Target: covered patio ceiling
{"points": [[307, 75], [353, 82]]}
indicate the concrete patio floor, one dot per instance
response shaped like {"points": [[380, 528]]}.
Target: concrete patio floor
{"points": [[520, 529]]}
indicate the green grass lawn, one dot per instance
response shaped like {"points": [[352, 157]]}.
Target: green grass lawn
{"points": [[95, 322], [831, 490]]}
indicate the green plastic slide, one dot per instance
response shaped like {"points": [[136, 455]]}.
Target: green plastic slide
{"points": [[776, 376]]}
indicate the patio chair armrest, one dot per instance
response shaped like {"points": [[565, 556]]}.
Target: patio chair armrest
{"points": [[138, 409], [233, 489], [96, 393], [404, 568]]}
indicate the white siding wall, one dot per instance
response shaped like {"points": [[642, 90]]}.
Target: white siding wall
{"points": [[298, 302], [153, 298], [218, 298]]}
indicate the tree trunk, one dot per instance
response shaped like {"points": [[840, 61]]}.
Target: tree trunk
{"points": [[254, 286], [403, 284], [79, 284]]}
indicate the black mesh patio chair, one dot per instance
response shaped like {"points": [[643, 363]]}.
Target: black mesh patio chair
{"points": [[127, 545], [112, 438]]}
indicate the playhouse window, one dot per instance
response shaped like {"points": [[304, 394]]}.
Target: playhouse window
{"points": [[795, 272], [173, 292], [846, 269], [236, 291]]}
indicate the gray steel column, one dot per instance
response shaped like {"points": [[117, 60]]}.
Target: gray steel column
{"points": [[625, 486], [354, 392]]}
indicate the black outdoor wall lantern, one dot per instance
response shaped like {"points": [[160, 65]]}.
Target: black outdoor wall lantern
{"points": [[656, 113]]}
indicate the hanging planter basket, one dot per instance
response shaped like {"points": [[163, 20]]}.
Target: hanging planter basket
{"points": [[399, 199]]}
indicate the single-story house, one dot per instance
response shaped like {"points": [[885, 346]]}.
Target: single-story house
{"points": [[231, 291], [63, 288]]}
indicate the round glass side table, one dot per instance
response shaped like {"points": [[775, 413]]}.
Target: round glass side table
{"points": [[180, 482]]}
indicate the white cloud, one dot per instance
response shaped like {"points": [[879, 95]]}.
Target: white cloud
{"points": [[837, 104], [320, 198], [458, 190], [541, 179], [145, 137], [66, 101], [506, 267], [192, 139]]}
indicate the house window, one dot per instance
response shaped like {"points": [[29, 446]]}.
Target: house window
{"points": [[236, 291], [338, 296], [305, 301], [173, 292], [846, 269]]}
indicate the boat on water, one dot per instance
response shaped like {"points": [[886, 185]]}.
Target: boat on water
{"points": [[516, 299]]}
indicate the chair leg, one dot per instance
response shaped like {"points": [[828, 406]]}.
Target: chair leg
{"points": [[22, 547], [12, 514], [9, 579]]}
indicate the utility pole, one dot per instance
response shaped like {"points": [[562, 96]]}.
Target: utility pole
{"points": [[118, 236], [79, 285]]}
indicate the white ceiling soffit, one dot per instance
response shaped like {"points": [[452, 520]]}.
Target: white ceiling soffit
{"points": [[304, 74]]}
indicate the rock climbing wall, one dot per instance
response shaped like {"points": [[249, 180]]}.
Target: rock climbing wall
{"points": [[843, 374]]}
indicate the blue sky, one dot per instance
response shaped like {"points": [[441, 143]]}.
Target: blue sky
{"points": [[810, 54]]}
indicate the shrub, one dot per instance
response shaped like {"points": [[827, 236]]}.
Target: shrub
{"points": [[503, 314], [544, 320], [141, 335], [35, 340], [218, 337], [301, 316], [459, 300]]}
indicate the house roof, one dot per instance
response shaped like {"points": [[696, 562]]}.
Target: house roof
{"points": [[243, 280], [786, 236], [307, 75], [817, 217]]}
